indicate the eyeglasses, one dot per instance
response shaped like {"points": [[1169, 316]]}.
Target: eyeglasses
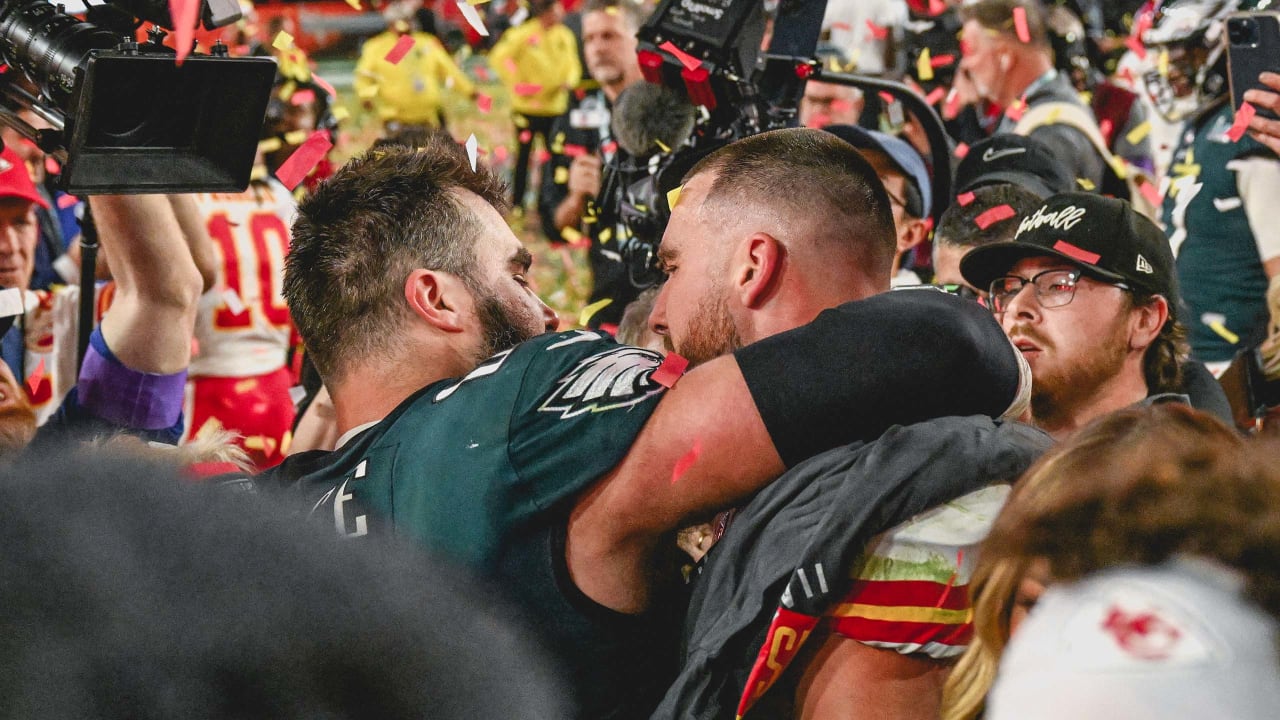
{"points": [[1054, 288]]}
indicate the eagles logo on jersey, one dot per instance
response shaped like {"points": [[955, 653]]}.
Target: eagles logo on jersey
{"points": [[609, 380]]}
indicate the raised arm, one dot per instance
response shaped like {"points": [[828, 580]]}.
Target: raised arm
{"points": [[152, 318]]}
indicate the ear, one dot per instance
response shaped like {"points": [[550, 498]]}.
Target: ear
{"points": [[759, 269], [1146, 321], [914, 233], [441, 299]]}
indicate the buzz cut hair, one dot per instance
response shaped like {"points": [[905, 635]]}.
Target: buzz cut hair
{"points": [[360, 234], [635, 12]]}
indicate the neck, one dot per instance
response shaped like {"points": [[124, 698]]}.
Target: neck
{"points": [[369, 393], [1031, 66], [1063, 417]]}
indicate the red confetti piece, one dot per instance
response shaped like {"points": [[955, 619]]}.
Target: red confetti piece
{"points": [[1134, 41], [542, 156], [482, 73], [526, 136], [671, 369], [51, 165], [33, 380], [1105, 127], [510, 65], [484, 102], [877, 32], [686, 461], [938, 61], [1016, 110], [935, 95], [4, 68], [887, 97], [842, 105], [184, 13], [937, 7], [324, 85], [1243, 116], [66, 201], [306, 157], [610, 147], [952, 108], [1080, 254], [841, 26], [1020, 24], [964, 199], [302, 97], [527, 89], [400, 49], [500, 153], [688, 61], [1151, 193], [575, 150], [961, 150], [993, 216]]}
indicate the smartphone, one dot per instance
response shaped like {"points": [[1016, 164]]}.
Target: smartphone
{"points": [[1253, 46]]}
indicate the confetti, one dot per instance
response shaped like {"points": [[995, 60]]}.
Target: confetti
{"points": [[1162, 62], [1151, 193], [877, 32], [355, 5], [1227, 204], [1076, 253], [587, 312], [473, 18], [484, 102], [963, 199], [296, 137], [1119, 167], [1020, 24], [1086, 184], [325, 85], [542, 156], [526, 89], [1216, 326], [340, 112], [670, 371], [302, 97], [561, 176], [525, 136], [293, 170], [35, 378], [1134, 41], [11, 302], [270, 145], [686, 461], [65, 201], [1136, 135], [472, 147], [232, 300], [993, 216], [673, 196], [924, 68], [937, 7], [962, 149], [1016, 110], [1105, 127], [575, 150], [509, 65], [400, 49], [570, 234], [846, 27], [661, 145], [184, 14], [283, 41], [688, 61], [942, 60], [1243, 116], [500, 153]]}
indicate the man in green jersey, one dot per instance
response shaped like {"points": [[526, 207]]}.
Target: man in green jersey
{"points": [[559, 464]]}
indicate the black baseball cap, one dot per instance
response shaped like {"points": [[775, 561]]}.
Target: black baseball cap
{"points": [[1015, 159], [1105, 236]]}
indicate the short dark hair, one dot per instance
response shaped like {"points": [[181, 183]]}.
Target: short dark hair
{"points": [[635, 12], [1163, 360], [362, 231], [132, 593], [815, 176], [958, 225], [997, 15]]}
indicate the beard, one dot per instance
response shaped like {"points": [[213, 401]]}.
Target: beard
{"points": [[711, 332], [1058, 391], [17, 428], [502, 326]]}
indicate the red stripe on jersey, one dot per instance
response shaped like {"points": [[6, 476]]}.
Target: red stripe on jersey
{"points": [[903, 633], [911, 593]]}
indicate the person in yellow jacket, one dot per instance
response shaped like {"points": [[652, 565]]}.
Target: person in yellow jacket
{"points": [[538, 63], [411, 91]]}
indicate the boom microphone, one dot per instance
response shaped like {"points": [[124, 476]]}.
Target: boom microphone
{"points": [[647, 117]]}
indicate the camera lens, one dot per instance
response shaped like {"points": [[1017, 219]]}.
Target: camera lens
{"points": [[47, 43], [1242, 31]]}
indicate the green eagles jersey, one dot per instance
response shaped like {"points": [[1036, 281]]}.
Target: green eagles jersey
{"points": [[483, 470], [462, 463]]}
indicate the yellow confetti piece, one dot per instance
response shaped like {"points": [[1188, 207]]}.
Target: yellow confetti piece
{"points": [[368, 92], [571, 235], [589, 311], [1162, 63], [673, 196], [1054, 114], [661, 145], [355, 5], [283, 41], [1086, 97], [1119, 166], [1086, 184], [611, 10], [520, 121], [297, 137], [270, 145], [606, 235], [561, 175], [1218, 328], [924, 68], [341, 113], [286, 442], [210, 427], [259, 172], [287, 90], [1136, 135]]}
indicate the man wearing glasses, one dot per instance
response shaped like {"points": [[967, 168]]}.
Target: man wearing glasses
{"points": [[1087, 291]]}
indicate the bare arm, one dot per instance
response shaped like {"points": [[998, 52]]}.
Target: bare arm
{"points": [[197, 236], [847, 680], [152, 318]]}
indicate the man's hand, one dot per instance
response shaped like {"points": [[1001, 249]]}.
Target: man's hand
{"points": [[1266, 130], [584, 176]]}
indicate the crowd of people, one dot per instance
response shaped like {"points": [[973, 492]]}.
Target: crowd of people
{"points": [[875, 436]]}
